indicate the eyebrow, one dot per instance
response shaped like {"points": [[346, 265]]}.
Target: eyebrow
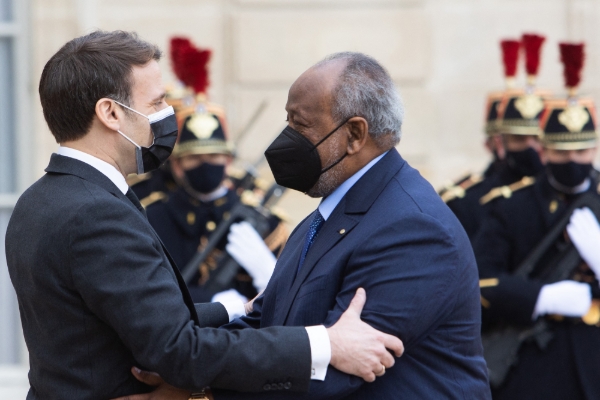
{"points": [[158, 98]]}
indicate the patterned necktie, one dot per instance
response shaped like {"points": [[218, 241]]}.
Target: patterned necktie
{"points": [[311, 235], [134, 199]]}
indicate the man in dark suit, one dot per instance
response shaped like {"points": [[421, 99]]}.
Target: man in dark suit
{"points": [[97, 291], [380, 226]]}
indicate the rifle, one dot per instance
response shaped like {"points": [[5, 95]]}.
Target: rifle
{"points": [[501, 345], [226, 269]]}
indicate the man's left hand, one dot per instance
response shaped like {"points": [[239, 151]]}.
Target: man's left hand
{"points": [[163, 389], [584, 232]]}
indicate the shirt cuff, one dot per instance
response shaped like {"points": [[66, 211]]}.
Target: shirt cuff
{"points": [[235, 309], [320, 351]]}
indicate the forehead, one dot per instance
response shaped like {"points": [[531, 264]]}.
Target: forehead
{"points": [[147, 81], [312, 92]]}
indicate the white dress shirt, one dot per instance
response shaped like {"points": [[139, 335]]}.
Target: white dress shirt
{"points": [[329, 203]]}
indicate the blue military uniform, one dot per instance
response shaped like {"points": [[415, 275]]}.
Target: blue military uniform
{"points": [[185, 224], [565, 367]]}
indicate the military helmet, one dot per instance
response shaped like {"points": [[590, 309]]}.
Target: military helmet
{"points": [[520, 110], [202, 125], [202, 132], [570, 123]]}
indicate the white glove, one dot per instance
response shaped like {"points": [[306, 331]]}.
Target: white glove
{"points": [[584, 232], [250, 251], [229, 296], [567, 298]]}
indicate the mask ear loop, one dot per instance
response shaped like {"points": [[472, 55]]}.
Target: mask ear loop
{"points": [[331, 133], [137, 112], [325, 138], [131, 141]]}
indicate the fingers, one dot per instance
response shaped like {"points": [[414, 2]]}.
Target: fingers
{"points": [[381, 372], [358, 302], [370, 377], [394, 344], [149, 378]]}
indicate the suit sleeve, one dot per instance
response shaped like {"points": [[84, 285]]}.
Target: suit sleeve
{"points": [[512, 298], [122, 277], [409, 285], [211, 315], [251, 320]]}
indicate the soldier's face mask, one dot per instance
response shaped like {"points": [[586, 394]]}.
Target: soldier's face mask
{"points": [[569, 174], [295, 161], [206, 177], [164, 128], [525, 163]]}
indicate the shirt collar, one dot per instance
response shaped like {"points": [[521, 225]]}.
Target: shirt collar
{"points": [[108, 170], [329, 203]]}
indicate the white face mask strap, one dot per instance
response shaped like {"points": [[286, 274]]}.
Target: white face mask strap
{"points": [[129, 108], [132, 142]]}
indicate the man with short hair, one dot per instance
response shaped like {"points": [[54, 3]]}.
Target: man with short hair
{"points": [[380, 226], [98, 292]]}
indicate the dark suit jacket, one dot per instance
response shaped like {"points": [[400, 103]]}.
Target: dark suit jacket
{"points": [[98, 294], [392, 235]]}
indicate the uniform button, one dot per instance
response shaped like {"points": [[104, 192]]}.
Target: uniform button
{"points": [[287, 385], [267, 387]]}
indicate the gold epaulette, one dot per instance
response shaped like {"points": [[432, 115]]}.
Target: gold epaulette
{"points": [[153, 198], [134, 179], [507, 191], [459, 190]]}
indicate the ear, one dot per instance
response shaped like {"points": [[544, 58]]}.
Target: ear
{"points": [[358, 134], [109, 114]]}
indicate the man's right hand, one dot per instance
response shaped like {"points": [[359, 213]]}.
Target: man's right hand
{"points": [[359, 349]]}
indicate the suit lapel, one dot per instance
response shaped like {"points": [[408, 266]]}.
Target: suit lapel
{"points": [[328, 236], [340, 223], [70, 166]]}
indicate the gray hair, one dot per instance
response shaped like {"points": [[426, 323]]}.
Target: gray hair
{"points": [[365, 89]]}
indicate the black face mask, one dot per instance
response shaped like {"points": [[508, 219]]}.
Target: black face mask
{"points": [[524, 163], [206, 177], [569, 174], [164, 128], [295, 161]]}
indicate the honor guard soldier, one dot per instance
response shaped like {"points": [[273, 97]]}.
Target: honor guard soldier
{"points": [[185, 219], [539, 260], [518, 123], [463, 196]]}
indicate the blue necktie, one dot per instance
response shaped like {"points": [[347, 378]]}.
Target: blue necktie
{"points": [[311, 235]]}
